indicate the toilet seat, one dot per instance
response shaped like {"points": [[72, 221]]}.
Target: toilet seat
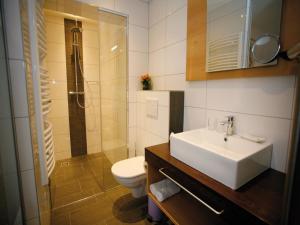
{"points": [[129, 168]]}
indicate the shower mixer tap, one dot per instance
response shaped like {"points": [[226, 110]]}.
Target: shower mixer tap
{"points": [[76, 93]]}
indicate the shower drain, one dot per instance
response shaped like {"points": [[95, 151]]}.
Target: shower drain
{"points": [[65, 164]]}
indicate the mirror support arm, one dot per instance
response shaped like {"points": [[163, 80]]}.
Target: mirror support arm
{"points": [[292, 53]]}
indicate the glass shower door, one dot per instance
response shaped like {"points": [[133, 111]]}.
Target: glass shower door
{"points": [[113, 86]]}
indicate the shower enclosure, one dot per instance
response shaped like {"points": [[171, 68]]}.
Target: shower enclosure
{"points": [[113, 85], [87, 69]]}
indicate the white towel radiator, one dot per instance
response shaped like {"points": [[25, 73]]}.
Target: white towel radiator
{"points": [[41, 88]]}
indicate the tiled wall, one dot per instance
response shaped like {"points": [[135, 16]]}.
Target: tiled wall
{"points": [[57, 70], [261, 106], [91, 61], [56, 65]]}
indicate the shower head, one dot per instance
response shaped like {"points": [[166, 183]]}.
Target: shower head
{"points": [[76, 30]]}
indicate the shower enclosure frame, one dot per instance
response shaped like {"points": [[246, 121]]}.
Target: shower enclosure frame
{"points": [[127, 75]]}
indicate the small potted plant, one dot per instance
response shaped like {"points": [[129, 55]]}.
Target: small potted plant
{"points": [[146, 82]]}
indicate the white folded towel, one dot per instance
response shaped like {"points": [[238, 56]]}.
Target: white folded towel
{"points": [[164, 189]]}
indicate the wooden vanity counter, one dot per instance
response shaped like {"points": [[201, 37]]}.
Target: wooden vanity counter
{"points": [[262, 197]]}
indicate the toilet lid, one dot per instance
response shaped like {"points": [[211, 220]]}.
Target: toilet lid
{"points": [[129, 168]]}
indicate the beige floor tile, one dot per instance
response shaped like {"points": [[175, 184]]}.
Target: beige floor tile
{"points": [[84, 192]]}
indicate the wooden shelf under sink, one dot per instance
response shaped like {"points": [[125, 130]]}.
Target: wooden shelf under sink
{"points": [[182, 209], [259, 200]]}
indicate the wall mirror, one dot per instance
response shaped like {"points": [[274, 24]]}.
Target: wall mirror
{"points": [[233, 26]]}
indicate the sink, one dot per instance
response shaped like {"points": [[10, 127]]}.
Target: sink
{"points": [[233, 162]]}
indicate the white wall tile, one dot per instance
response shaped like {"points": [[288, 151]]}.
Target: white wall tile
{"points": [[194, 118], [92, 138], [19, 87], [56, 52], [29, 197], [53, 19], [132, 82], [91, 72], [140, 141], [90, 2], [146, 139], [90, 38], [13, 29], [140, 62], [158, 83], [90, 26], [59, 108], [157, 62], [57, 71], [132, 115], [195, 94], [62, 155], [157, 11], [24, 145], [5, 111], [141, 14], [55, 33], [140, 39], [152, 139], [62, 142], [58, 90], [173, 5], [131, 64], [176, 58], [90, 55], [131, 37], [126, 7], [176, 26], [160, 125], [175, 82], [93, 149], [157, 36], [7, 156], [135, 9], [262, 96], [60, 125], [108, 4], [140, 115], [93, 121], [131, 141]]}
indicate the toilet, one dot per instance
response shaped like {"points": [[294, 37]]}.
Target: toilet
{"points": [[131, 174]]}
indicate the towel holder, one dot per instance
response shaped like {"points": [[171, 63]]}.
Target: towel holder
{"points": [[191, 194]]}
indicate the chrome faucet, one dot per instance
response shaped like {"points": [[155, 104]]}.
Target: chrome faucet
{"points": [[230, 125]]}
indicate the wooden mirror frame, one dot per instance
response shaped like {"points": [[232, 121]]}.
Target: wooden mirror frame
{"points": [[196, 44]]}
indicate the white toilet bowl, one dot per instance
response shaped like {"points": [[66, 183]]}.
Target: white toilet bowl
{"points": [[131, 174]]}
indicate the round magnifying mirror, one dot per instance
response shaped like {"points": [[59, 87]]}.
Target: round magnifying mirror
{"points": [[265, 48]]}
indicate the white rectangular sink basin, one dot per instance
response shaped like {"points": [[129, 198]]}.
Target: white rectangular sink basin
{"points": [[233, 162]]}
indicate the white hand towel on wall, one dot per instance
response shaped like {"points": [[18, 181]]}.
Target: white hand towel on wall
{"points": [[164, 189]]}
